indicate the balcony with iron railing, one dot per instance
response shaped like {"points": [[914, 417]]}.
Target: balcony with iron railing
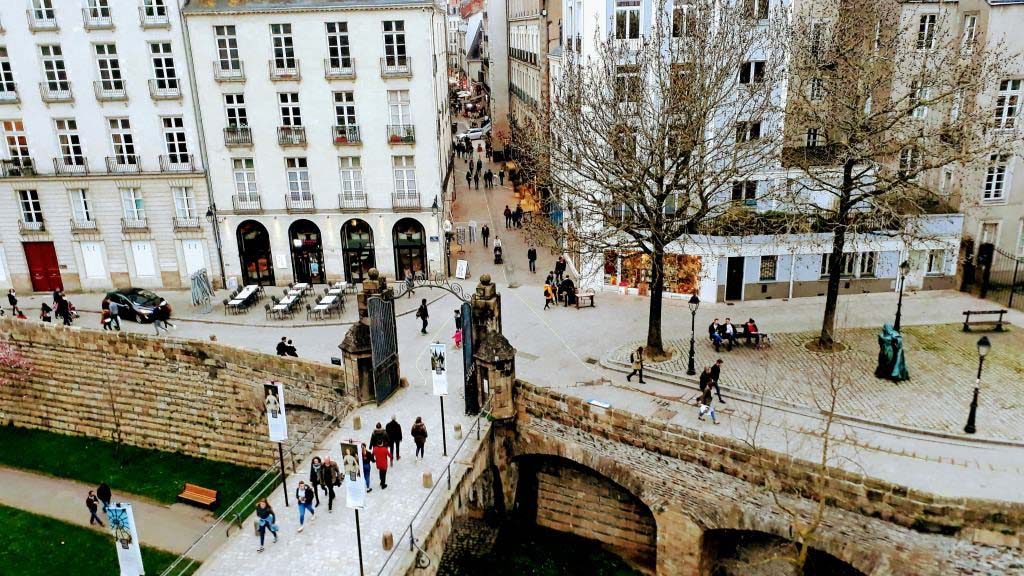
{"points": [[123, 164], [299, 202], [31, 226], [405, 201], [229, 71], [110, 91], [235, 136], [70, 165], [340, 69], [291, 135], [347, 136], [247, 203], [177, 163], [401, 134], [187, 223], [52, 92], [352, 201], [164, 89], [9, 94], [81, 225], [151, 17], [396, 67], [17, 168], [95, 19], [284, 69], [42, 20], [139, 224]]}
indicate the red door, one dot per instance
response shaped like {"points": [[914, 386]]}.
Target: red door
{"points": [[42, 266]]}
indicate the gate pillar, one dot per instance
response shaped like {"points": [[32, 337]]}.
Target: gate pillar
{"points": [[493, 356]]}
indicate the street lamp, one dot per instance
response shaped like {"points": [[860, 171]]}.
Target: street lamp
{"points": [[694, 303], [904, 270], [984, 346]]}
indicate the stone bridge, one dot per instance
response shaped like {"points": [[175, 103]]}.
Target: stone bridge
{"points": [[669, 498]]}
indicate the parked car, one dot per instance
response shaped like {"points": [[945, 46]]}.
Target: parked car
{"points": [[476, 133], [136, 303]]}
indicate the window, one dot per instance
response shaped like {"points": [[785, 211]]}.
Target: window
{"points": [[234, 106], [1020, 239], [99, 9], [7, 84], [54, 71], [936, 261], [744, 190], [627, 19], [122, 141], [70, 142], [675, 204], [284, 50], [405, 177], [17, 142], [394, 43], [747, 131], [351, 178], [1008, 103], [184, 202], [298, 179], [132, 203], [684, 19], [756, 9], [769, 265], [919, 97], [338, 51], [227, 48], [813, 138], [109, 67], [290, 112], [847, 264], [174, 139], [910, 162], [970, 32], [752, 72], [344, 109], [163, 66], [989, 232], [817, 88], [399, 107], [926, 32], [627, 83], [154, 8], [245, 178], [868, 261], [80, 206], [995, 178], [31, 209], [43, 10]]}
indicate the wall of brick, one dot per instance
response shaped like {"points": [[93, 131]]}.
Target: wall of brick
{"points": [[199, 398]]}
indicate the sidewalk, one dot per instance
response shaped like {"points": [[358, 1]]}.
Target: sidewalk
{"points": [[171, 528]]}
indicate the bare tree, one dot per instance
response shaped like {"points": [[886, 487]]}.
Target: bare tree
{"points": [[648, 135], [881, 97]]}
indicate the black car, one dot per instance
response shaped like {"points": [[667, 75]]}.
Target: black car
{"points": [[134, 303]]}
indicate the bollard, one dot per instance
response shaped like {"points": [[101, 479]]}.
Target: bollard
{"points": [[428, 480], [387, 541], [403, 382], [458, 431], [357, 423]]}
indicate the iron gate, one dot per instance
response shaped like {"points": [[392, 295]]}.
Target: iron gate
{"points": [[383, 347], [467, 355]]}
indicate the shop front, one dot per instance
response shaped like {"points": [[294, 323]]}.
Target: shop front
{"points": [[254, 249], [357, 250], [307, 252], [410, 248], [631, 271]]}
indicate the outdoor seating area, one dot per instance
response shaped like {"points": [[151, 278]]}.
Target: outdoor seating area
{"points": [[303, 295], [241, 300], [331, 303]]}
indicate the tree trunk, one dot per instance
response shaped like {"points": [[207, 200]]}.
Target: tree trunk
{"points": [[835, 260], [655, 347]]}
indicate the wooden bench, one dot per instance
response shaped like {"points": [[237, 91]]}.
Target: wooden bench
{"points": [[997, 324], [588, 296], [199, 496]]}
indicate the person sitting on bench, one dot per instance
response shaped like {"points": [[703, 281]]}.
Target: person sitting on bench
{"points": [[750, 331], [713, 333], [727, 332]]}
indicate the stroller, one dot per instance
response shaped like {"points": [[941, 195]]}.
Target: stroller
{"points": [[497, 255]]}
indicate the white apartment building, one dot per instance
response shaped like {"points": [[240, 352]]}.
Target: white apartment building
{"points": [[101, 179], [456, 38], [496, 71], [532, 28], [326, 125]]}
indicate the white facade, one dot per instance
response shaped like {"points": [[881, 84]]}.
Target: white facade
{"points": [[320, 121], [497, 59], [102, 179]]}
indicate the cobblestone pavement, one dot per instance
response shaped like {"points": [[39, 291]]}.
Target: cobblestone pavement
{"points": [[942, 362]]}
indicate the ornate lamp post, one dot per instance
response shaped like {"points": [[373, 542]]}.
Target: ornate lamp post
{"points": [[983, 349], [694, 303], [904, 270]]}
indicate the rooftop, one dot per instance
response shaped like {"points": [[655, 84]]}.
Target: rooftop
{"points": [[231, 6]]}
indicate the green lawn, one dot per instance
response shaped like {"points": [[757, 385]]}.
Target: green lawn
{"points": [[150, 473], [35, 545]]}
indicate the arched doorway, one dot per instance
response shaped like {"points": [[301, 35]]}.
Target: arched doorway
{"points": [[254, 250], [357, 249], [307, 252], [410, 248]]}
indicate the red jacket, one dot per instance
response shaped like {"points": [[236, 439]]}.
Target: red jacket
{"points": [[381, 454]]}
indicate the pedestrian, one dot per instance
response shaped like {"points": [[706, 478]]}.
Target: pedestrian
{"points": [[469, 177], [636, 360], [93, 504], [508, 217], [394, 430], [367, 461], [497, 242], [501, 176], [304, 498], [490, 178], [158, 315], [485, 233], [549, 296], [62, 306], [265, 520], [282, 346], [479, 165], [289, 349], [705, 378], [716, 373], [707, 406], [105, 319], [330, 477], [550, 280], [410, 283], [44, 312], [103, 493], [531, 255], [559, 269], [12, 299], [476, 179], [115, 315], [379, 436], [457, 337], [517, 216], [315, 470], [419, 436], [381, 456], [422, 313]]}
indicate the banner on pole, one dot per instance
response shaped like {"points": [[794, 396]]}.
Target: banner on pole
{"points": [[126, 539], [273, 399], [352, 474], [439, 368]]}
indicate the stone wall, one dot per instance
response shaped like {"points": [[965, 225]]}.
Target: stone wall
{"points": [[199, 398]]}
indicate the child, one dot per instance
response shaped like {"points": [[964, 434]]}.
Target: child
{"points": [[105, 320], [458, 338], [706, 406], [44, 313], [549, 296]]}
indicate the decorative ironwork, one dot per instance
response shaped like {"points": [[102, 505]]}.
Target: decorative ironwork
{"points": [[383, 347], [439, 281], [468, 365]]}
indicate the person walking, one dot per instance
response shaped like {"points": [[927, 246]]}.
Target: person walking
{"points": [[485, 233], [469, 178], [559, 269], [501, 176], [517, 216], [705, 378], [265, 521], [394, 431], [105, 319], [330, 477], [716, 373], [367, 461], [476, 179], [315, 470], [549, 296], [531, 255], [158, 318], [381, 456], [419, 436], [423, 314], [304, 498], [103, 493], [479, 165], [508, 217], [115, 315], [93, 504], [12, 299], [410, 283], [44, 312], [707, 406], [62, 306], [378, 436], [636, 360]]}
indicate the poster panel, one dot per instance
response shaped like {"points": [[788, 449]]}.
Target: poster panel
{"points": [[439, 368], [126, 539], [273, 399], [352, 474]]}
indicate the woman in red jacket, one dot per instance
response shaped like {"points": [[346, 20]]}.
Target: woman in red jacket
{"points": [[381, 455]]}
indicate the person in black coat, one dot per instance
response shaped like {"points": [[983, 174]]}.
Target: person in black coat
{"points": [[531, 255], [282, 346], [485, 233], [379, 436], [705, 378], [716, 373], [103, 493], [394, 432], [568, 291], [93, 504], [315, 470]]}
